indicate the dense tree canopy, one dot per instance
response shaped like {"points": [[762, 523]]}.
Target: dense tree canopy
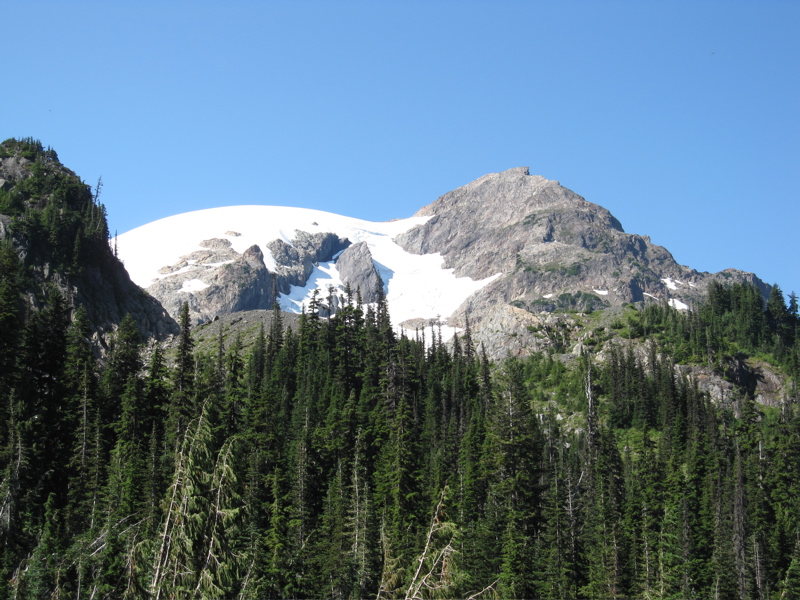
{"points": [[343, 461]]}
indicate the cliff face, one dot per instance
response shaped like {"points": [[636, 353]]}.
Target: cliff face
{"points": [[217, 280], [59, 232], [357, 270]]}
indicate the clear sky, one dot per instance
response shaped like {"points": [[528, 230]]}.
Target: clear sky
{"points": [[680, 117]]}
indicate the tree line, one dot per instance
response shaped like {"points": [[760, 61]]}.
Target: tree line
{"points": [[343, 460]]}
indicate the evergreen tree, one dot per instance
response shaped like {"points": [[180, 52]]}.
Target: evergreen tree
{"points": [[513, 451], [182, 407], [10, 313]]}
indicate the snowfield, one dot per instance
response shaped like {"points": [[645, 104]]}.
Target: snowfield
{"points": [[675, 303], [193, 285], [416, 285]]}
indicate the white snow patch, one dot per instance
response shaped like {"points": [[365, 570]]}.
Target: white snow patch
{"points": [[675, 303], [601, 292], [324, 276], [193, 285], [671, 283], [547, 296], [651, 295], [180, 271], [148, 248]]}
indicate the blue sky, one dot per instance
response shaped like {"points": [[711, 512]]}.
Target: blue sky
{"points": [[679, 117]]}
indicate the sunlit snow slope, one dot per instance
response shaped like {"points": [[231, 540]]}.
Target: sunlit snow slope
{"points": [[416, 285]]}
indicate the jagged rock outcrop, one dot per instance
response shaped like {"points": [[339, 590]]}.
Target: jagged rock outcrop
{"points": [[727, 382], [357, 269], [216, 280], [296, 260], [14, 168]]}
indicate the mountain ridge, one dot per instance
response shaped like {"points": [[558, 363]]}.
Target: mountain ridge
{"points": [[505, 252]]}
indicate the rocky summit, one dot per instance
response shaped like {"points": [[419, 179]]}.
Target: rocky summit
{"points": [[556, 252], [511, 254]]}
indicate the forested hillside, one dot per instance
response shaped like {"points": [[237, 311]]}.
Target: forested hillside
{"points": [[54, 237], [341, 461]]}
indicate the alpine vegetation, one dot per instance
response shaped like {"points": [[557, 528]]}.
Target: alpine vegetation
{"points": [[646, 450]]}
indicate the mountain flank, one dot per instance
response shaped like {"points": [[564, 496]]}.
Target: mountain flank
{"points": [[556, 251], [53, 222], [511, 252]]}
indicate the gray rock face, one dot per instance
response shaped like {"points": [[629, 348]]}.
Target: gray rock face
{"points": [[553, 251], [217, 280], [553, 248], [14, 168], [296, 260], [357, 270], [482, 228]]}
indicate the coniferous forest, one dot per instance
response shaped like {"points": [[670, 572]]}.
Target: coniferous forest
{"points": [[340, 460]]}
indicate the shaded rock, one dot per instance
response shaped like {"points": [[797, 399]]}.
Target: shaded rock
{"points": [[295, 261], [217, 281], [357, 270], [103, 288]]}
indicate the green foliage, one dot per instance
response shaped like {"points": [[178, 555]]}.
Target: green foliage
{"points": [[28, 148], [732, 322], [342, 461], [53, 209]]}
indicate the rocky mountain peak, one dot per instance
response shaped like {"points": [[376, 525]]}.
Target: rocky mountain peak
{"points": [[550, 250], [504, 198], [482, 227], [508, 251]]}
